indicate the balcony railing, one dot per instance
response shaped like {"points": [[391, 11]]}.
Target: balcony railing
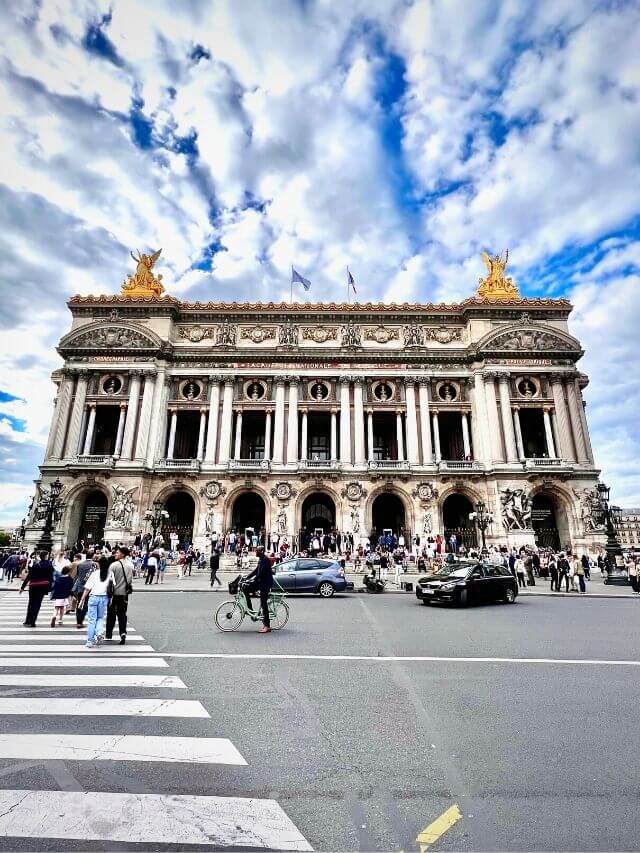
{"points": [[460, 465], [100, 459], [387, 464], [323, 464], [250, 464], [181, 464], [544, 462]]}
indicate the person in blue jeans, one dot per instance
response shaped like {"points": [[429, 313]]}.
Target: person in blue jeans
{"points": [[96, 589]]}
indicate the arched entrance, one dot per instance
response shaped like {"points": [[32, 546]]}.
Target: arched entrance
{"points": [[182, 510], [456, 521], [93, 517], [549, 522], [387, 513], [318, 513], [248, 514]]}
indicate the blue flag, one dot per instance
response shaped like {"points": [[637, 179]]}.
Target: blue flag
{"points": [[350, 280], [296, 277]]}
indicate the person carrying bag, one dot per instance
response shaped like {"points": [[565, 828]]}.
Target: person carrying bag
{"points": [[122, 569]]}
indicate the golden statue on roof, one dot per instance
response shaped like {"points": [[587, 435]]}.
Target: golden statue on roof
{"points": [[496, 287], [143, 282]]}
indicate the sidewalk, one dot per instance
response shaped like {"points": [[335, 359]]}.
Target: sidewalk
{"points": [[199, 582]]}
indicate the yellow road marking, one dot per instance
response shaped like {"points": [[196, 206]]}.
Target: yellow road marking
{"points": [[430, 834]]}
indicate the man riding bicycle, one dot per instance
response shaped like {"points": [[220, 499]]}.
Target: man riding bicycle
{"points": [[262, 581]]}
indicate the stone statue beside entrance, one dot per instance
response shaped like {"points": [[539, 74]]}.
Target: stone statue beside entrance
{"points": [[516, 509], [281, 521]]}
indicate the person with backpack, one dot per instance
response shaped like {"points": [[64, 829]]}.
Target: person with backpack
{"points": [[122, 569], [39, 577], [97, 590]]}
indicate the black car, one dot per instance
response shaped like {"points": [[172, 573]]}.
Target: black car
{"points": [[468, 583]]}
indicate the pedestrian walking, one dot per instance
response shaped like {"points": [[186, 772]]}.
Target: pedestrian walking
{"points": [[162, 565], [520, 571], [580, 573], [214, 565], [633, 576], [122, 569], [39, 578], [563, 570], [60, 592], [553, 571], [152, 565], [97, 590], [86, 566]]}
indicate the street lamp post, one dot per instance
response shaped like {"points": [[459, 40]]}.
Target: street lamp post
{"points": [[45, 542], [483, 519], [155, 516], [610, 517]]}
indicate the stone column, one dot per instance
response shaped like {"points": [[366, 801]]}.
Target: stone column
{"points": [[370, 434], [575, 404], [519, 443], [358, 412], [345, 422], [238, 439], [132, 414], [267, 434], [399, 436], [120, 431], [412, 423], [507, 418], [73, 440], [226, 422], [203, 425], [172, 434], [583, 420], [548, 433], [425, 426], [304, 449], [60, 417], [334, 435], [278, 427], [562, 417], [158, 420], [466, 444], [292, 427], [494, 423], [480, 418], [436, 437], [88, 438], [145, 416], [212, 429]]}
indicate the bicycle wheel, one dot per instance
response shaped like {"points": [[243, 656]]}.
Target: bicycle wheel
{"points": [[229, 616], [278, 615]]}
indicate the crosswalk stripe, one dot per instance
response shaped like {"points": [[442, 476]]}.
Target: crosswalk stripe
{"points": [[85, 681], [45, 647], [85, 660], [73, 747], [236, 822], [59, 637], [32, 705], [46, 631]]}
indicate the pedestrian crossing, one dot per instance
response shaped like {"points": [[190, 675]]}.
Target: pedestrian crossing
{"points": [[106, 708]]}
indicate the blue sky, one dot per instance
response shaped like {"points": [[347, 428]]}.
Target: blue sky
{"points": [[400, 138]]}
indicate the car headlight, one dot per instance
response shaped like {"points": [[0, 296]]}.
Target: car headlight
{"points": [[448, 586]]}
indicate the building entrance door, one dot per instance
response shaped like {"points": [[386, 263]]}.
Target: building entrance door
{"points": [[93, 518]]}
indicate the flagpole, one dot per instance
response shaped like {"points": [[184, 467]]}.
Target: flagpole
{"points": [[348, 288], [291, 297]]}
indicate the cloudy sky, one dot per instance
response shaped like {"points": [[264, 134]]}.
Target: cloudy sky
{"points": [[241, 136]]}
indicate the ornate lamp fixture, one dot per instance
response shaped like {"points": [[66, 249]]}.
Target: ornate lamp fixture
{"points": [[54, 504], [483, 519]]}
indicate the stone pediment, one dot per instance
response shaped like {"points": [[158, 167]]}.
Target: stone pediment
{"points": [[110, 336], [528, 337]]}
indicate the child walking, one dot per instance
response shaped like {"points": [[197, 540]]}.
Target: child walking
{"points": [[60, 592]]}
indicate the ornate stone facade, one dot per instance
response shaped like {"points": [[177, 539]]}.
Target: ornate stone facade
{"points": [[293, 417]]}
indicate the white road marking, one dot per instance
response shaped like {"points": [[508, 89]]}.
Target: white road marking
{"points": [[45, 647], [45, 706], [90, 659], [96, 747], [62, 637], [84, 681], [402, 658], [152, 818]]}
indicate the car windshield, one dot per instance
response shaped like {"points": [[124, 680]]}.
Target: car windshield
{"points": [[459, 573], [445, 572]]}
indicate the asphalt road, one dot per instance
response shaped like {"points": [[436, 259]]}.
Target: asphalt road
{"points": [[363, 754]]}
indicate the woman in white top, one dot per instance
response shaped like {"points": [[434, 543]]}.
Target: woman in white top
{"points": [[96, 589]]}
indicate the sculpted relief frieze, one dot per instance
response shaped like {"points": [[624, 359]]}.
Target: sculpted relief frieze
{"points": [[195, 334], [381, 334], [319, 334], [257, 334], [529, 339], [112, 337]]}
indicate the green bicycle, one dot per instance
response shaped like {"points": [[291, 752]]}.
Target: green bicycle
{"points": [[229, 615]]}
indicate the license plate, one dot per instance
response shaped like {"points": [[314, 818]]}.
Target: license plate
{"points": [[427, 592]]}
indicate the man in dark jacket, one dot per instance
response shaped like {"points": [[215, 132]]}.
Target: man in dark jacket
{"points": [[262, 577], [214, 565], [40, 580], [122, 569]]}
